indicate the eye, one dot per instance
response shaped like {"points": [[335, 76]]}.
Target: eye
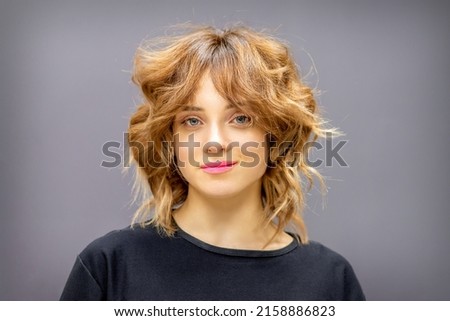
{"points": [[191, 122], [242, 120]]}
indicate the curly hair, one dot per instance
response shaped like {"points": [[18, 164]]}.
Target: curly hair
{"points": [[249, 68]]}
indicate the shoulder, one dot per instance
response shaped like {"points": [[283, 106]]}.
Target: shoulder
{"points": [[326, 260], [317, 251], [333, 269], [106, 259], [121, 241]]}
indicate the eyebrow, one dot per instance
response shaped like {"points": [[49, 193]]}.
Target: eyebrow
{"points": [[197, 108]]}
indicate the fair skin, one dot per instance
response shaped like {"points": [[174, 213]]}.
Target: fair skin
{"points": [[223, 206]]}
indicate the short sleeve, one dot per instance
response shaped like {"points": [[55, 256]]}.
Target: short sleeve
{"points": [[81, 286]]}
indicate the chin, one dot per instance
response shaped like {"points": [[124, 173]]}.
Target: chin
{"points": [[222, 190], [221, 193]]}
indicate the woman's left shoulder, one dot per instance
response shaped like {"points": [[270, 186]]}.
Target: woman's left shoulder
{"points": [[333, 269], [318, 251]]}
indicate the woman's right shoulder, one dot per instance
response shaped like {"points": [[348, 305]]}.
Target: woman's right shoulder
{"points": [[105, 257], [122, 240]]}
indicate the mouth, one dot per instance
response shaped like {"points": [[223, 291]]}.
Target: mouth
{"points": [[218, 164], [218, 167]]}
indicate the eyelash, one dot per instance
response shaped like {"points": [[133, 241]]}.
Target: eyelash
{"points": [[248, 119], [246, 124], [186, 121]]}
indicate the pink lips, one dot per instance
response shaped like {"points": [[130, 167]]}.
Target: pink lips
{"points": [[218, 167]]}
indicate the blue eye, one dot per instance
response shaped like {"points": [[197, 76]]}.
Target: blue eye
{"points": [[192, 122], [242, 120]]}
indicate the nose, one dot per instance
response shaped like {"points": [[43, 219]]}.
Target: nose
{"points": [[213, 148], [217, 141]]}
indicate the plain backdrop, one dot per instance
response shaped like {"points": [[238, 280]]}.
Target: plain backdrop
{"points": [[383, 71]]}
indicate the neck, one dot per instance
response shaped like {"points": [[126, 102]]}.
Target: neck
{"points": [[231, 222]]}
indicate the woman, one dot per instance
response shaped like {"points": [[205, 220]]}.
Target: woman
{"points": [[219, 146]]}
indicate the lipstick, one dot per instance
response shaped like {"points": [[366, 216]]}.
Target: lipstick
{"points": [[218, 167]]}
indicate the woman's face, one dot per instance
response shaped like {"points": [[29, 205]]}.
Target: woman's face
{"points": [[220, 152]]}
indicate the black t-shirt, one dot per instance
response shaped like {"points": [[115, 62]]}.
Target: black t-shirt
{"points": [[140, 264]]}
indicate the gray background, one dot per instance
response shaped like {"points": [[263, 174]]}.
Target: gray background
{"points": [[382, 66]]}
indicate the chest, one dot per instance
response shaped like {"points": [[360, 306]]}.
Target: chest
{"points": [[213, 277]]}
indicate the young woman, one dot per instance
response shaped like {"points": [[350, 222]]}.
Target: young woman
{"points": [[219, 146]]}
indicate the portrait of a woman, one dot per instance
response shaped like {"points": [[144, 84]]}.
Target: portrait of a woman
{"points": [[218, 146]]}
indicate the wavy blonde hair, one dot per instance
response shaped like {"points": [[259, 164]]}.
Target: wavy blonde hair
{"points": [[248, 68]]}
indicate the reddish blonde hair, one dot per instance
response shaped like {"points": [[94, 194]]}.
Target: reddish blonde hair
{"points": [[250, 69]]}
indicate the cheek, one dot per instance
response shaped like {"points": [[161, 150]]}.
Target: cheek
{"points": [[182, 161], [254, 157], [186, 150], [182, 158], [254, 152], [180, 153]]}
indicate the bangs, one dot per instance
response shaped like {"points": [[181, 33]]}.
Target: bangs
{"points": [[233, 79]]}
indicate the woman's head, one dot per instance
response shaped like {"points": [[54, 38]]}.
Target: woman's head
{"points": [[253, 73]]}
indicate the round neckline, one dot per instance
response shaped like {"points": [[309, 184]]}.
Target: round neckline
{"points": [[238, 252]]}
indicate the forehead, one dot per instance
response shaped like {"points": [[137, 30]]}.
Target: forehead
{"points": [[206, 90], [206, 96]]}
